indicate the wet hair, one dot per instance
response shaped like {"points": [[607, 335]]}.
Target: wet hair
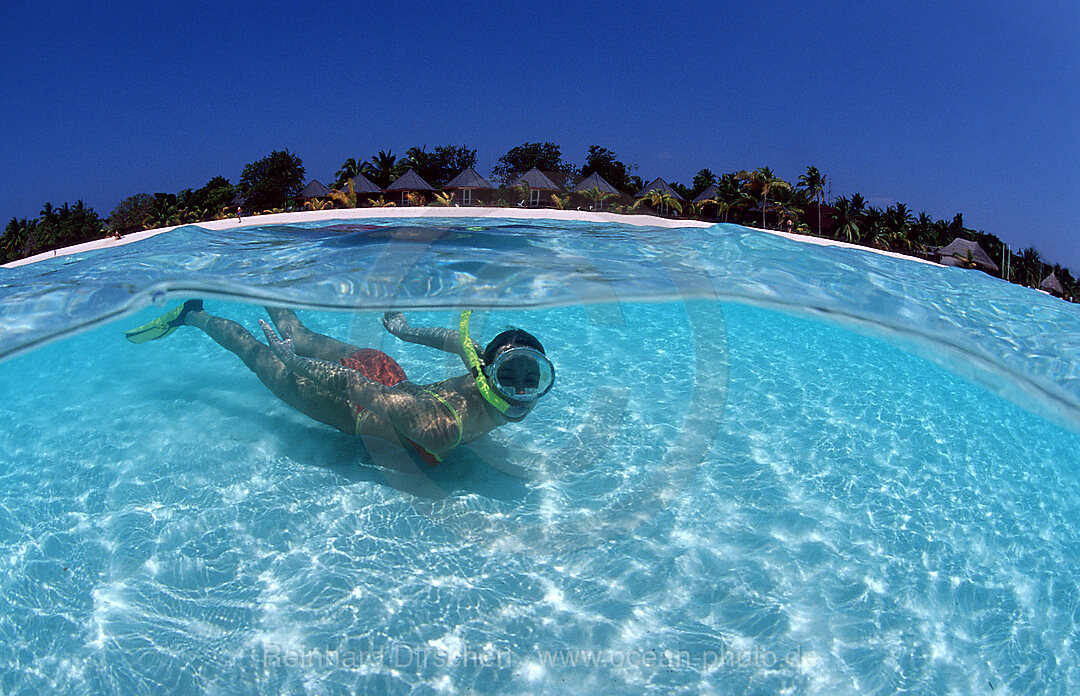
{"points": [[511, 337]]}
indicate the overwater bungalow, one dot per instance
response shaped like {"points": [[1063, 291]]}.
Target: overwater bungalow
{"points": [[470, 188], [540, 186], [411, 183]]}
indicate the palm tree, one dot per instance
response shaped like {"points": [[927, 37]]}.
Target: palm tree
{"points": [[967, 260], [813, 182], [902, 216], [50, 216], [718, 199], [422, 162], [165, 212], [956, 227], [349, 169], [346, 198], [1028, 267], [523, 192], [787, 211], [414, 158], [382, 168], [15, 237], [941, 235], [846, 219], [598, 197], [762, 181], [897, 222], [443, 199], [659, 200], [731, 195], [858, 204], [703, 180], [697, 210], [923, 231], [560, 202], [316, 204], [873, 231]]}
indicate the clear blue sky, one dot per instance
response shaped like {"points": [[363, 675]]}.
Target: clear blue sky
{"points": [[969, 107]]}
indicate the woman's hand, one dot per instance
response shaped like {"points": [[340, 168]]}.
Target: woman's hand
{"points": [[395, 322], [283, 348]]}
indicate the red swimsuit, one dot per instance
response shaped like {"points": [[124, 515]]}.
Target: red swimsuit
{"points": [[380, 367]]}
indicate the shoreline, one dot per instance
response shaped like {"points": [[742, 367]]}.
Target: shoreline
{"points": [[436, 212]]}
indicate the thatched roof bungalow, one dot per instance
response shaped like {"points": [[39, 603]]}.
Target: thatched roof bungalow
{"points": [[959, 250], [595, 181], [470, 188], [411, 182], [1052, 285], [659, 184], [312, 191], [707, 194], [363, 187], [540, 186], [709, 209]]}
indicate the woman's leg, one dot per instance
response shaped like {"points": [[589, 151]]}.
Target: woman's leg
{"points": [[300, 393], [306, 342]]}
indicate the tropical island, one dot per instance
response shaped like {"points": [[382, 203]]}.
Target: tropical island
{"points": [[536, 175]]}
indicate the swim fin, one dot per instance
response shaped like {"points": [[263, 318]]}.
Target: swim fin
{"points": [[164, 325]]}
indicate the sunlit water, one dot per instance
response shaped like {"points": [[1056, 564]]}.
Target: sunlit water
{"points": [[718, 497]]}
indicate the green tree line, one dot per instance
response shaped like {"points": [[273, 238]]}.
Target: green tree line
{"points": [[754, 197], [266, 185]]}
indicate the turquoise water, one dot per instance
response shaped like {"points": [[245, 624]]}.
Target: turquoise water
{"points": [[718, 497]]}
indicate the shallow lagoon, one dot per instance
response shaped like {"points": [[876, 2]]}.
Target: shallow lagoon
{"points": [[716, 497]]}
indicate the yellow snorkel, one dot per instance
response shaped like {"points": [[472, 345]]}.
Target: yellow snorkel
{"points": [[473, 361]]}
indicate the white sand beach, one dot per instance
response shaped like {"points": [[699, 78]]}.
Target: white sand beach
{"points": [[434, 212]]}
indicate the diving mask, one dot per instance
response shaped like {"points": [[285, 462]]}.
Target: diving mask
{"points": [[521, 374], [525, 376]]}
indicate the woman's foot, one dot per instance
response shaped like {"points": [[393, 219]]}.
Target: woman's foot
{"points": [[165, 324]]}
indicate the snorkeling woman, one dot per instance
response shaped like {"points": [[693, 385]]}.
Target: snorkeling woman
{"points": [[364, 392]]}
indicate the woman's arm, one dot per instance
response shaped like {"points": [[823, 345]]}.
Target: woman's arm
{"points": [[448, 340]]}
